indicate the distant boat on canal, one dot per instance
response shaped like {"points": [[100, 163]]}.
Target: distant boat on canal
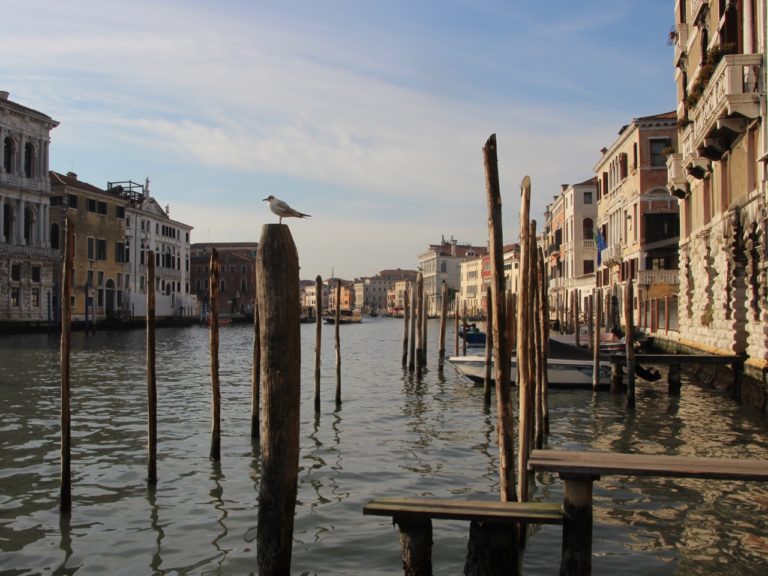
{"points": [[345, 317], [472, 335]]}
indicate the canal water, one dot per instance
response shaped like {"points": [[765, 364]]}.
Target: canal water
{"points": [[392, 436]]}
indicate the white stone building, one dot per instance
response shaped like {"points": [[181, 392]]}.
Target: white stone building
{"points": [[28, 265]]}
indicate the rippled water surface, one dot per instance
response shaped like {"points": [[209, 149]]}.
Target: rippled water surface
{"points": [[392, 436]]}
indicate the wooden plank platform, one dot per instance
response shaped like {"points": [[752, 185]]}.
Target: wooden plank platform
{"points": [[611, 463], [477, 510], [678, 358]]}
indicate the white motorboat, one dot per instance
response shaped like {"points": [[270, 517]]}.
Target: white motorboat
{"points": [[561, 372]]}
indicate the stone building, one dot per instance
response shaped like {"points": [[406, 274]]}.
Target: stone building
{"points": [[719, 175], [637, 218], [237, 277], [371, 292], [28, 263], [100, 256], [441, 263]]}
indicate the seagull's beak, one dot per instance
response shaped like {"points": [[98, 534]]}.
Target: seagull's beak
{"points": [[264, 199]]}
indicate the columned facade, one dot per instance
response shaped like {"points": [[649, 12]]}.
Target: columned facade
{"points": [[28, 266]]}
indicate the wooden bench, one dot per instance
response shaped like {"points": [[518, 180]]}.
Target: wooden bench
{"points": [[580, 469], [491, 541]]}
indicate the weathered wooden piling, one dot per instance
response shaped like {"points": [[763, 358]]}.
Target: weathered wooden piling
{"points": [[464, 326], [256, 371], [318, 335], [419, 323], [151, 375], [406, 320], [338, 342], [277, 275], [629, 339], [488, 347], [523, 340], [416, 545], [213, 319], [65, 488], [596, 343], [544, 303], [576, 324], [504, 417], [443, 320], [424, 335], [412, 350], [540, 345], [590, 321], [456, 324], [576, 552]]}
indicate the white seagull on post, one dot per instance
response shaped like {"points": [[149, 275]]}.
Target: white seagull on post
{"points": [[282, 209]]}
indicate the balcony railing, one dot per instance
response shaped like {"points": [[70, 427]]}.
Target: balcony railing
{"points": [[36, 251], [681, 41], [19, 181], [648, 277], [589, 245], [730, 96], [611, 254]]}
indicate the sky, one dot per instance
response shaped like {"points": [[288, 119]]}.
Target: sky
{"points": [[370, 115]]}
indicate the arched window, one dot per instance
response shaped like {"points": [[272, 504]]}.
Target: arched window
{"points": [[8, 222], [29, 160], [29, 225], [9, 154], [55, 236]]}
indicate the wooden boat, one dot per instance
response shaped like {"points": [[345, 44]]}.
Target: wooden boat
{"points": [[345, 317], [561, 372]]}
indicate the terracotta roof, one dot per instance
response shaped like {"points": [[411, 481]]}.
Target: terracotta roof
{"points": [[72, 181]]}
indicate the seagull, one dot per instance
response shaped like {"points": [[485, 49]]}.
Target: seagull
{"points": [[282, 209]]}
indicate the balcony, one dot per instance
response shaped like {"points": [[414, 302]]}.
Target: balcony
{"points": [[677, 183], [698, 9], [680, 39], [18, 181], [730, 99], [611, 254], [649, 277], [588, 245]]}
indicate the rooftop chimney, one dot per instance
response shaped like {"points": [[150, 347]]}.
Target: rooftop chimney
{"points": [[563, 187], [72, 175]]}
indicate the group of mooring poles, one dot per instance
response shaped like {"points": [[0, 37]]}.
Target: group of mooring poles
{"points": [[275, 384], [519, 320], [415, 316]]}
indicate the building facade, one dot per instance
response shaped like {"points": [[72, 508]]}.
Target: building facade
{"points": [[637, 218], [442, 263], [28, 263], [100, 256], [237, 277], [719, 175]]}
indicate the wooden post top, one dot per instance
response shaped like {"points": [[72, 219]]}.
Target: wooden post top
{"points": [[596, 464]]}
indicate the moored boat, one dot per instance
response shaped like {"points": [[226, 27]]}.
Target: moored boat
{"points": [[561, 372], [472, 335], [345, 317]]}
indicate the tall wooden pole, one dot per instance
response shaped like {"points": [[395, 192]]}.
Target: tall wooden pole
{"points": [[65, 496], [419, 323], [406, 320], [412, 344], [523, 340], [338, 342], [443, 320], [504, 417], [576, 308], [151, 375], [544, 300], [213, 285], [596, 343], [456, 323], [277, 267], [488, 347], [318, 335], [256, 371], [425, 317], [629, 339], [538, 340]]}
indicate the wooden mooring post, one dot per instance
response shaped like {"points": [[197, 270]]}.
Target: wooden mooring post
{"points": [[488, 347], [596, 344], [277, 275], [256, 370], [65, 488], [406, 320], [338, 341], [318, 336], [544, 319], [456, 324], [213, 319], [629, 339], [151, 374], [412, 345], [443, 321], [524, 348], [419, 323]]}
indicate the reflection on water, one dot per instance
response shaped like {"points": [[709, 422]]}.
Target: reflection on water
{"points": [[394, 434]]}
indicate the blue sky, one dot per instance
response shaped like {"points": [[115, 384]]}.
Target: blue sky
{"points": [[369, 115]]}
